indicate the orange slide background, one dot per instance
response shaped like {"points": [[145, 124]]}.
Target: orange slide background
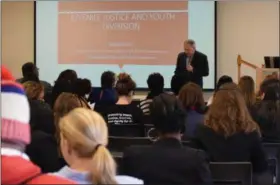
{"points": [[156, 42]]}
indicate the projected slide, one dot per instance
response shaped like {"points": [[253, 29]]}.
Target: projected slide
{"points": [[121, 32], [139, 37]]}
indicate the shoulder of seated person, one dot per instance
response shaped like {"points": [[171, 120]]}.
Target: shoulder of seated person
{"points": [[195, 153]]}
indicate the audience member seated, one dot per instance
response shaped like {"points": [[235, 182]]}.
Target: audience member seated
{"points": [[83, 141], [82, 87], [155, 84], [167, 161], [222, 80], [44, 149], [123, 112], [64, 104], [177, 82], [107, 94], [192, 98], [229, 134], [64, 83], [41, 114], [16, 168], [31, 73], [268, 110], [247, 87]]}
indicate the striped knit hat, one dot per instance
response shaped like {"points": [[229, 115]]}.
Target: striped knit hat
{"points": [[15, 110]]}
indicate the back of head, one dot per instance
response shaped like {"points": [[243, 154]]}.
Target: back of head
{"points": [[223, 80], [67, 75], [29, 70], [34, 90], [228, 114], [177, 82], [191, 96], [108, 80], [270, 89], [65, 103], [155, 82], [15, 112], [168, 114], [86, 133], [247, 87], [82, 87], [125, 85]]}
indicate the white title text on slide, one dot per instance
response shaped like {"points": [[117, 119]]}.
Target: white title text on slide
{"points": [[123, 21]]}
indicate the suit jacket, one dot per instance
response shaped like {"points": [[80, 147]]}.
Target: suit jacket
{"points": [[167, 162], [200, 66]]}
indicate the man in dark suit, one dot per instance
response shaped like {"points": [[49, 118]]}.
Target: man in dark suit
{"points": [[192, 65], [167, 161]]}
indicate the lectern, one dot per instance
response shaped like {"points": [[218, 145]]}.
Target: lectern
{"points": [[261, 72]]}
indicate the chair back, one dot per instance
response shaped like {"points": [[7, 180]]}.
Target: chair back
{"points": [[119, 144], [127, 130], [231, 173], [272, 151]]}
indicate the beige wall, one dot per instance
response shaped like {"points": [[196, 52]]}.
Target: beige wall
{"points": [[250, 29], [17, 34], [247, 28]]}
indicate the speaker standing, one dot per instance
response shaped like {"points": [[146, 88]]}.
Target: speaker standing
{"points": [[192, 65]]}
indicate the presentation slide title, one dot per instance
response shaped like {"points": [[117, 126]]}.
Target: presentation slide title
{"points": [[123, 21]]}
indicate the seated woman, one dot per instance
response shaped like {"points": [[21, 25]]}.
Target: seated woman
{"points": [[177, 82], [222, 80], [83, 141], [268, 110], [44, 148], [247, 86], [167, 161], [192, 99], [107, 94], [123, 112], [41, 115], [65, 103], [64, 83], [155, 83], [82, 88], [229, 134]]}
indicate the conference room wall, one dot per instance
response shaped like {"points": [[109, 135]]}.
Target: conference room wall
{"points": [[250, 29], [247, 28], [17, 36]]}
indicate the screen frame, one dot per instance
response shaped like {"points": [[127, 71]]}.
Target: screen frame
{"points": [[147, 89]]}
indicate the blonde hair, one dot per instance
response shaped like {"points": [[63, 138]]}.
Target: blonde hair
{"points": [[247, 87], [33, 89], [87, 134]]}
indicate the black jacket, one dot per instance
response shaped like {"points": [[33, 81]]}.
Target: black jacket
{"points": [[237, 148], [43, 151], [267, 115], [200, 67], [167, 162], [41, 117]]}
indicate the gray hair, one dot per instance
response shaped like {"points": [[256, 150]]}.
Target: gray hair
{"points": [[190, 42]]}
